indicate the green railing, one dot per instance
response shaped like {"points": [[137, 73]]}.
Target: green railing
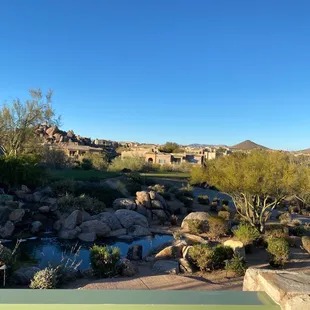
{"points": [[133, 300]]}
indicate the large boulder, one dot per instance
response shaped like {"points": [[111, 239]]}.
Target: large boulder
{"points": [[156, 204], [237, 246], [129, 218], [160, 214], [73, 220], [135, 252], [17, 215], [57, 225], [37, 196], [172, 252], [117, 233], [166, 266], [69, 233], [142, 210], [7, 229], [44, 209], [24, 275], [144, 198], [124, 203], [94, 226], [138, 231], [35, 227], [87, 237], [152, 195], [161, 199], [110, 219], [201, 216], [127, 268], [4, 215]]}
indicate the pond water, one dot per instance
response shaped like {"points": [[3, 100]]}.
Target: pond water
{"points": [[51, 251]]}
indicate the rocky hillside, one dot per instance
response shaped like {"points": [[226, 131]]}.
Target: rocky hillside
{"points": [[248, 145]]}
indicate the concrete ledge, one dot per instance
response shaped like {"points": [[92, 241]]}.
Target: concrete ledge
{"points": [[290, 290]]}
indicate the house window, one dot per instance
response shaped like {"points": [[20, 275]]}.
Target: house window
{"points": [[161, 161]]}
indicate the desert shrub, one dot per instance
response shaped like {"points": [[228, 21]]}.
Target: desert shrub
{"points": [[135, 177], [99, 191], [86, 164], [246, 233], [98, 161], [294, 209], [296, 222], [5, 255], [133, 163], [54, 159], [217, 226], [224, 214], [177, 235], [305, 240], [157, 188], [285, 218], [166, 196], [21, 170], [201, 255], [70, 203], [276, 231], [104, 260], [207, 258], [133, 187], [298, 231], [203, 199], [278, 249], [195, 227], [47, 278], [183, 192], [66, 186], [220, 254], [213, 206], [237, 265], [305, 212]]}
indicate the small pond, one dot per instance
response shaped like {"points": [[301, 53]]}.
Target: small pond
{"points": [[51, 251]]}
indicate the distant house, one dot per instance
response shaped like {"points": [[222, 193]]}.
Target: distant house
{"points": [[76, 150]]}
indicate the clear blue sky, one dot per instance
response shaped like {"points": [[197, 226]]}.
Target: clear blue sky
{"points": [[206, 71]]}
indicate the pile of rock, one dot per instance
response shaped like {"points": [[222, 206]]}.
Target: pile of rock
{"points": [[88, 228], [149, 204]]}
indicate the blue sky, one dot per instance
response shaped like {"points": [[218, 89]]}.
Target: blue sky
{"points": [[204, 71]]}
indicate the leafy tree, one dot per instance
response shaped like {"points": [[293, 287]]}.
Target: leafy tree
{"points": [[19, 120], [171, 147], [257, 182]]}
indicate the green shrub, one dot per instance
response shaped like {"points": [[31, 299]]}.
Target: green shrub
{"points": [[86, 164], [305, 240], [133, 187], [5, 255], [47, 278], [207, 258], [237, 265], [70, 203], [104, 260], [54, 159], [184, 192], [66, 186], [221, 253], [97, 161], [246, 233], [276, 231], [285, 218], [217, 226], [279, 251], [201, 255], [203, 199], [21, 170], [195, 227], [133, 163], [224, 214], [135, 177]]}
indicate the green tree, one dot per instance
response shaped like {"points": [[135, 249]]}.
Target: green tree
{"points": [[257, 182], [19, 120], [171, 147]]}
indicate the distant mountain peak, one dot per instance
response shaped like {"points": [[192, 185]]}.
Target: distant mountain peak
{"points": [[248, 145]]}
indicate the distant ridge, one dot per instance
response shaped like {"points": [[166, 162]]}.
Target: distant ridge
{"points": [[248, 145], [307, 151]]}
